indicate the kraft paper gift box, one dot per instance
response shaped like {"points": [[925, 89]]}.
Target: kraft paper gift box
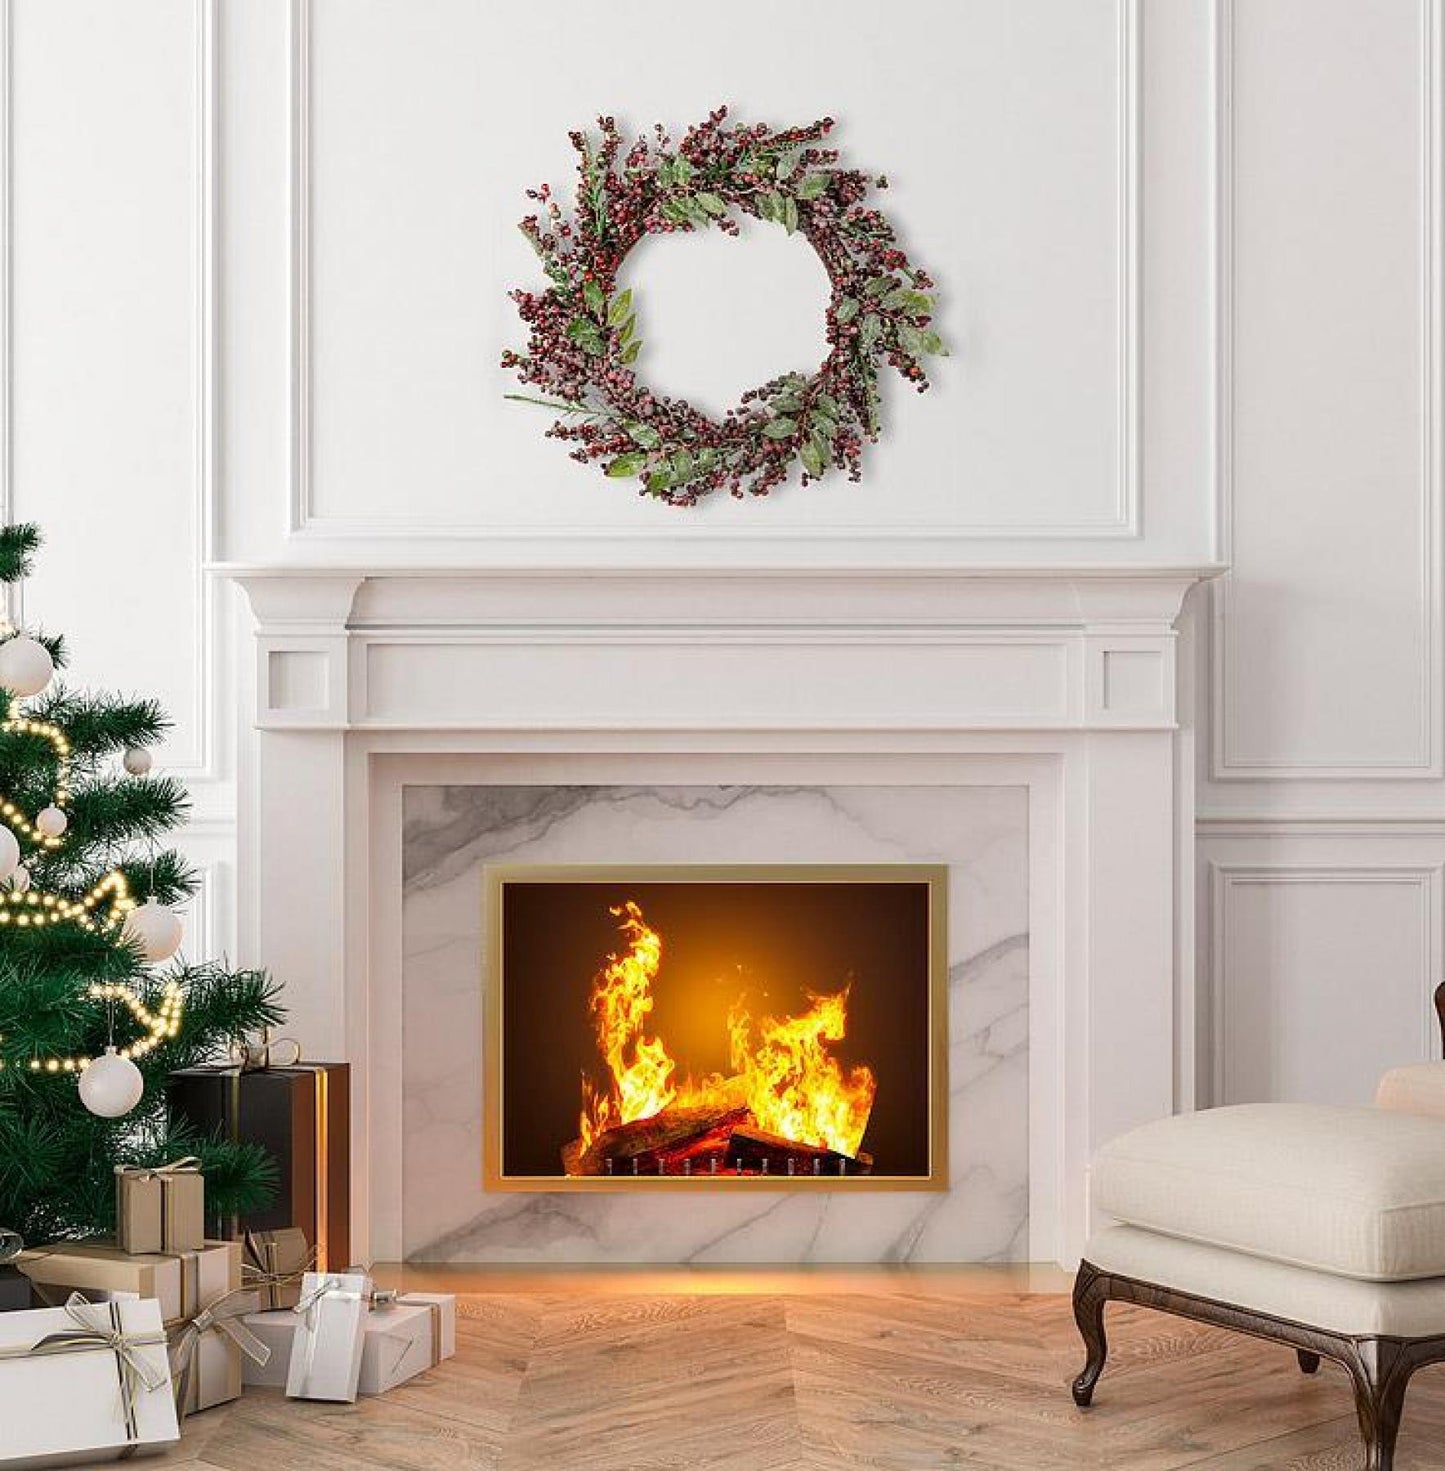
{"points": [[101, 1392], [207, 1352], [160, 1209], [400, 1341], [301, 1116], [274, 1263], [182, 1284], [329, 1337]]}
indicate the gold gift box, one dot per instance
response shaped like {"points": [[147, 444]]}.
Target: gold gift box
{"points": [[162, 1209]]}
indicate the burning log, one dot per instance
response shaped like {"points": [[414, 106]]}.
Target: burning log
{"points": [[700, 1140], [675, 1132], [750, 1149]]}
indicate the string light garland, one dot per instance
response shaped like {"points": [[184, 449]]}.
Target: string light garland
{"points": [[10, 814]]}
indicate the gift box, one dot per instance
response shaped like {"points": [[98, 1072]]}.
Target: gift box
{"points": [[274, 1264], [160, 1209], [408, 1336], [329, 1337], [207, 1352], [412, 1334], [84, 1383], [301, 1115], [183, 1284], [15, 1293]]}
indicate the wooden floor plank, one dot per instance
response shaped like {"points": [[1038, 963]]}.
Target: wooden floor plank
{"points": [[877, 1377]]}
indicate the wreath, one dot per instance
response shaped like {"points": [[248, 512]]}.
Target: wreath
{"points": [[583, 337]]}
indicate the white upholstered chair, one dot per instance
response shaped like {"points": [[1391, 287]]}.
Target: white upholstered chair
{"points": [[1320, 1228]]}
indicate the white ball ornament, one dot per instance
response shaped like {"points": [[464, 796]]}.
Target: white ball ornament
{"points": [[20, 879], [137, 760], [51, 821], [25, 666], [111, 1085], [155, 929], [9, 853]]}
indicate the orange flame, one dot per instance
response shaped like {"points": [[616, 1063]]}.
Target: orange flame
{"points": [[786, 1076], [620, 1001], [793, 1086]]}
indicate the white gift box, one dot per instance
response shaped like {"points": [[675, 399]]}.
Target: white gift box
{"points": [[100, 1392], [399, 1342], [327, 1343]]}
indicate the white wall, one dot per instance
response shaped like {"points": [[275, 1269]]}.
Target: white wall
{"points": [[254, 262]]}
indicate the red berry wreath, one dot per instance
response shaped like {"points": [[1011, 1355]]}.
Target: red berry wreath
{"points": [[583, 333]]}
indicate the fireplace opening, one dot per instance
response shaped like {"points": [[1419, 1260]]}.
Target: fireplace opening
{"points": [[699, 1027]]}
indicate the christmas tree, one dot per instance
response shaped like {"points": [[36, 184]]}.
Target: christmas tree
{"points": [[97, 1006]]}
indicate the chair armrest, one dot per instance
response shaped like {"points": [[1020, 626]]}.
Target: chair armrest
{"points": [[1417, 1088]]}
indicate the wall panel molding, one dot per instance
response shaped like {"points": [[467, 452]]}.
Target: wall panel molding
{"points": [[1225, 879], [1428, 760], [305, 522]]}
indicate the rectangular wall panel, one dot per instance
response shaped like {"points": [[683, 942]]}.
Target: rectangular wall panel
{"points": [[109, 371], [1010, 142], [1321, 977], [1327, 654]]}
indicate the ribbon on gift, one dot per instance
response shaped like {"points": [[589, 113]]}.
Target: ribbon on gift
{"points": [[224, 1316], [92, 1335], [11, 1245], [251, 1057], [261, 1273], [187, 1165], [327, 1287], [435, 1310]]}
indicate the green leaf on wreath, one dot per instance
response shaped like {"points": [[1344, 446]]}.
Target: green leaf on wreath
{"points": [[811, 457], [847, 309], [769, 205], [682, 169], [681, 465], [870, 329], [878, 285], [594, 296], [825, 403], [790, 214], [624, 332], [786, 403], [621, 306], [813, 186], [625, 466], [934, 344], [714, 204], [658, 481], [585, 334], [629, 353], [788, 161], [917, 303], [645, 435], [783, 428]]}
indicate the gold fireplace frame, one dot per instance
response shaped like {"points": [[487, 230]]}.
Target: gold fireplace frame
{"points": [[935, 875]]}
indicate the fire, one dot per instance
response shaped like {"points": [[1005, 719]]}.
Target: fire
{"points": [[783, 1071], [620, 1001], [792, 1085]]}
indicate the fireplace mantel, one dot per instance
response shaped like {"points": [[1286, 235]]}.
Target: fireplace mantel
{"points": [[1060, 679]]}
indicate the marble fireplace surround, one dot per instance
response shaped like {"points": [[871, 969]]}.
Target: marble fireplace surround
{"points": [[1059, 681]]}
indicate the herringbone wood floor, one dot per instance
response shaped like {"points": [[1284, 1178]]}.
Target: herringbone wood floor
{"points": [[887, 1378]]}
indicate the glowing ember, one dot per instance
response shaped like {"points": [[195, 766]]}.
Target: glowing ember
{"points": [[783, 1072]]}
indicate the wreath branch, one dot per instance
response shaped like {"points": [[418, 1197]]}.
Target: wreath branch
{"points": [[583, 335]]}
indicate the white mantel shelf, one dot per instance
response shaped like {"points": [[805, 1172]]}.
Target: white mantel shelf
{"points": [[1058, 679], [989, 647]]}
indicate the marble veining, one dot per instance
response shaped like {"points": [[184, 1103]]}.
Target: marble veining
{"points": [[451, 832]]}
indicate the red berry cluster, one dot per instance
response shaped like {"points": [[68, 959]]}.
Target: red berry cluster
{"points": [[582, 331]]}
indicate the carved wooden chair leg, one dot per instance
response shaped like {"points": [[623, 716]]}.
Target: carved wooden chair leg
{"points": [[1380, 1369], [1090, 1295], [1309, 1363]]}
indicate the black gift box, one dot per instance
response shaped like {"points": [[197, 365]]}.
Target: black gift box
{"points": [[300, 1115], [15, 1294]]}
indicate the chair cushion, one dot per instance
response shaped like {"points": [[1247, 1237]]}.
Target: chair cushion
{"points": [[1357, 1192]]}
